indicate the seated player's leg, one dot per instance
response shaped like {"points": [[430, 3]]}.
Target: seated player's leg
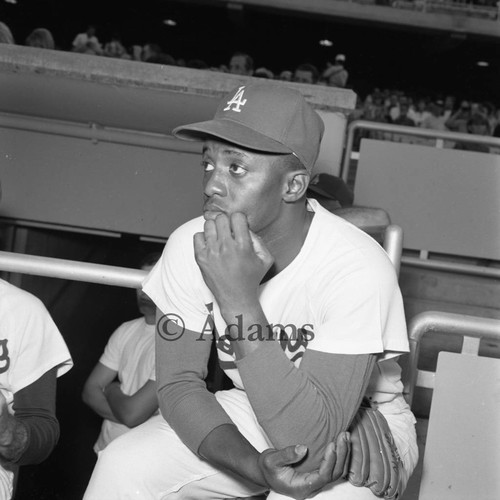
{"points": [[151, 462]]}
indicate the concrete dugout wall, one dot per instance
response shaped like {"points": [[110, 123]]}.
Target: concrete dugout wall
{"points": [[86, 141]]}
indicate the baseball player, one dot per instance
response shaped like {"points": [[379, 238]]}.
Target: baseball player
{"points": [[32, 355], [305, 312], [121, 387]]}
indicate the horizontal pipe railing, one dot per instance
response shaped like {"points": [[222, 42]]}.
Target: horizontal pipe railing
{"points": [[97, 133], [402, 130], [439, 265], [71, 270], [448, 323], [393, 245]]}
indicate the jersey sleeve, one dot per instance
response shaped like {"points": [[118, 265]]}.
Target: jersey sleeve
{"points": [[33, 343], [183, 341], [175, 284], [114, 348], [361, 312]]}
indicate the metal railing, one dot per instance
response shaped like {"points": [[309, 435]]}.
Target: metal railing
{"points": [[393, 245], [471, 328], [96, 133], [71, 270], [123, 276], [438, 137], [449, 7]]}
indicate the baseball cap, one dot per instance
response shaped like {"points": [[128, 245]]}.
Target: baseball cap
{"points": [[264, 117]]}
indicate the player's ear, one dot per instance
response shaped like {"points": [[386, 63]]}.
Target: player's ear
{"points": [[296, 185]]}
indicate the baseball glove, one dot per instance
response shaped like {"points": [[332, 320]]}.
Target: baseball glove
{"points": [[375, 461]]}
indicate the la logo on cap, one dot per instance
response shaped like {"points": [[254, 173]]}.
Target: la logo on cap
{"points": [[237, 101]]}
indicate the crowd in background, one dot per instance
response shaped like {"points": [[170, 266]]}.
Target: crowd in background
{"points": [[393, 106], [384, 106]]}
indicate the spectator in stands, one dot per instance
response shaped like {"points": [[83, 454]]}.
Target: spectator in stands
{"points": [[197, 64], [115, 48], [286, 76], [87, 42], [41, 38], [150, 52], [458, 120], [162, 58], [488, 110], [264, 73], [392, 107], [373, 110], [496, 130], [336, 75], [419, 112], [121, 388], [477, 124], [496, 121], [6, 34], [435, 120], [449, 106], [403, 118], [306, 73], [241, 64]]}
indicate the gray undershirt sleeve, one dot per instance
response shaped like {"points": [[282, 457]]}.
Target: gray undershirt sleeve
{"points": [[185, 403], [307, 405]]}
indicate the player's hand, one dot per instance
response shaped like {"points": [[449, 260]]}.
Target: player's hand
{"points": [[232, 259], [281, 476]]}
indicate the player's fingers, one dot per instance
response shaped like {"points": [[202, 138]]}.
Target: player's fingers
{"points": [[210, 231], [199, 244], [327, 464], [285, 456], [222, 226], [239, 226], [342, 452]]}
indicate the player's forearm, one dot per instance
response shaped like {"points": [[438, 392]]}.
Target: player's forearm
{"points": [[42, 437], [94, 397], [225, 447], [185, 403], [30, 435], [127, 408], [241, 323], [118, 402], [317, 401], [14, 438]]}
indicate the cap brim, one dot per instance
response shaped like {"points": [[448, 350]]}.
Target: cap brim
{"points": [[230, 131]]}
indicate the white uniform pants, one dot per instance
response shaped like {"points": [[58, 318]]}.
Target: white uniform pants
{"points": [[151, 463]]}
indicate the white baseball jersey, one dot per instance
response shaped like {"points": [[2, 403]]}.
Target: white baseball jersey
{"points": [[30, 345], [130, 351]]}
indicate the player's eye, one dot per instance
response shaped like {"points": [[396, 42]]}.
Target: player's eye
{"points": [[207, 166], [236, 169]]}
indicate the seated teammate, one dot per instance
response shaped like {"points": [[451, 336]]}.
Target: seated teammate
{"points": [[32, 355], [121, 388]]}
